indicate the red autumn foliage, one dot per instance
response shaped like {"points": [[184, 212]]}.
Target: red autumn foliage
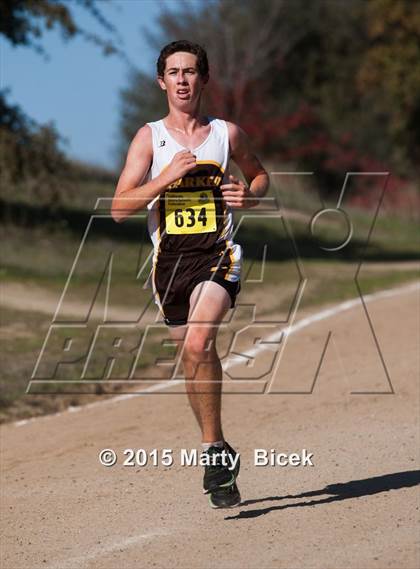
{"points": [[301, 138]]}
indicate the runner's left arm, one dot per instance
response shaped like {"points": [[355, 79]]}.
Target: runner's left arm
{"points": [[237, 194]]}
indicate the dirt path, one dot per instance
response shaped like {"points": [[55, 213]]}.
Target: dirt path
{"points": [[20, 296], [355, 508]]}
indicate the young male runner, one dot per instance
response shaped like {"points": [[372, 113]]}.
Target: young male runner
{"points": [[177, 167]]}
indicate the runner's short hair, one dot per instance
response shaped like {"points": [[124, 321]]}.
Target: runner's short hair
{"points": [[187, 46]]}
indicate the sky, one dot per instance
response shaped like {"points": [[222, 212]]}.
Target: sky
{"points": [[78, 88]]}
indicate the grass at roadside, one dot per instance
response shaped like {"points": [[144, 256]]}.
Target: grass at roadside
{"points": [[22, 336], [323, 283]]}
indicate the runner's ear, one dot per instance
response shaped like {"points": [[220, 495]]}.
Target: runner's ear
{"points": [[161, 82]]}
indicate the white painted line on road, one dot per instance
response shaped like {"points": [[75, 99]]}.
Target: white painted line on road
{"points": [[323, 315], [81, 560], [292, 329]]}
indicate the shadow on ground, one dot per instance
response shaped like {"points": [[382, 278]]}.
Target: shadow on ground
{"points": [[336, 492]]}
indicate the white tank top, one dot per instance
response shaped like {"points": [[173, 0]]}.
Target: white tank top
{"points": [[190, 217]]}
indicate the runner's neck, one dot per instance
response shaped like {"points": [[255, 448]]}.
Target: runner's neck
{"points": [[185, 125]]}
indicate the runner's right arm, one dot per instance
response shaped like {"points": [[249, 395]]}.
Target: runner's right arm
{"points": [[131, 194]]}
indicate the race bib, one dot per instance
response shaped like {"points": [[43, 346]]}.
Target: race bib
{"points": [[190, 212]]}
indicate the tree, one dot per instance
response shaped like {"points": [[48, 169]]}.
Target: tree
{"points": [[298, 77], [24, 22], [389, 76], [33, 168], [243, 58]]}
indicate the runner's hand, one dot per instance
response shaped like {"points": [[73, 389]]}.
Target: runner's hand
{"points": [[183, 162], [237, 194]]}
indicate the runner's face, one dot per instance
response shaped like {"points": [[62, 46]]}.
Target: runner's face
{"points": [[181, 79]]}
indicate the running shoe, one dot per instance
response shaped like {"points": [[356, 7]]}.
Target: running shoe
{"points": [[218, 474], [219, 481], [233, 454], [228, 497]]}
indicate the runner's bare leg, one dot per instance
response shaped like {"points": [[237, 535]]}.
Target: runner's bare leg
{"points": [[178, 334], [209, 303]]}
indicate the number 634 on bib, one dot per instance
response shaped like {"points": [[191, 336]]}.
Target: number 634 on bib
{"points": [[190, 212]]}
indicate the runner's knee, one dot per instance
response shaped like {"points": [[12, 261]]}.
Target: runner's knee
{"points": [[199, 346]]}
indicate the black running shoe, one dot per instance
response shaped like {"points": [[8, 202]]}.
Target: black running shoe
{"points": [[217, 474], [227, 497], [233, 454]]}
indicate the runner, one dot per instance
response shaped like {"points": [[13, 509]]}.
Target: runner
{"points": [[178, 167]]}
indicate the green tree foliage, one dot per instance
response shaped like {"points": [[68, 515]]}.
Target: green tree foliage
{"points": [[33, 168], [24, 22], [389, 75]]}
